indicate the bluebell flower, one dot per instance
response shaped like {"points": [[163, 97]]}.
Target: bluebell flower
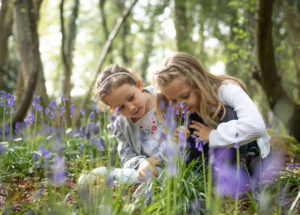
{"points": [[53, 105], [95, 107], [63, 98], [82, 111], [3, 148], [35, 156], [39, 193], [47, 111], [30, 119], [109, 181], [81, 148], [100, 144], [45, 153], [58, 171], [92, 115], [72, 110]]}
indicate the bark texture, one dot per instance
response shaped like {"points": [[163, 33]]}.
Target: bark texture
{"points": [[28, 47]]}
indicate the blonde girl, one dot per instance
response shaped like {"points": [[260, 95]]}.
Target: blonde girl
{"points": [[136, 128], [182, 79]]}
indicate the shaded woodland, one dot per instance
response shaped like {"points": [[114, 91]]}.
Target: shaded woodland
{"points": [[257, 41]]}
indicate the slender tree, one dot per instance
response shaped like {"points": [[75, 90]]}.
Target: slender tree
{"points": [[5, 32], [182, 26], [292, 23], [67, 47], [103, 55], [28, 48]]}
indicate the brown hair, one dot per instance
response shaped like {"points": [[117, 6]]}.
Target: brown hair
{"points": [[205, 84], [110, 78]]}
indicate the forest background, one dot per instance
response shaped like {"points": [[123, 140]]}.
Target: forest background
{"points": [[54, 48], [51, 52]]}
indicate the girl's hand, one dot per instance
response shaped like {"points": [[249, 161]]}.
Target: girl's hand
{"points": [[179, 130], [201, 131], [154, 161], [146, 170]]}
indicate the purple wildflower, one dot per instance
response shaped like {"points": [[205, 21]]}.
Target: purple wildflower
{"points": [[95, 107], [82, 111], [53, 105], [195, 207], [30, 119], [72, 110], [293, 165], [39, 193], [93, 141], [35, 156], [47, 111], [62, 110], [36, 101], [81, 148], [92, 115], [45, 153], [18, 127], [64, 98], [99, 146], [118, 111], [229, 181], [58, 171], [11, 102], [109, 181], [3, 148]]}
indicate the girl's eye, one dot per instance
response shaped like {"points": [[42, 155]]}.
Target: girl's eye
{"points": [[186, 96], [131, 98]]}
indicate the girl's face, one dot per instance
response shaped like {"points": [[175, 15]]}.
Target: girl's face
{"points": [[129, 100], [178, 91]]}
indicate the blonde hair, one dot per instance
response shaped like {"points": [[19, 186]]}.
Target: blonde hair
{"points": [[205, 84], [111, 78]]}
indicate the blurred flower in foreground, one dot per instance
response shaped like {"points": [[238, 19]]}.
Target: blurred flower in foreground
{"points": [[58, 171], [3, 147], [229, 181]]}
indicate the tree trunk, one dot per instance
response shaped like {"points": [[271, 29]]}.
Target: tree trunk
{"points": [[40, 89], [67, 48], [103, 55], [104, 25], [284, 108], [292, 24], [28, 48], [182, 26], [5, 31]]}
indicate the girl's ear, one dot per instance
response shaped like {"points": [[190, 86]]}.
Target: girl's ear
{"points": [[139, 84]]}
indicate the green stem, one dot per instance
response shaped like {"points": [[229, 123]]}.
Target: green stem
{"points": [[3, 124], [209, 188], [204, 173]]}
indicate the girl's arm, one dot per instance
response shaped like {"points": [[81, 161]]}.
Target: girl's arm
{"points": [[248, 127], [128, 157]]}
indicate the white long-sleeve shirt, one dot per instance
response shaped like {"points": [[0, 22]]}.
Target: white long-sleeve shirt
{"points": [[248, 127]]}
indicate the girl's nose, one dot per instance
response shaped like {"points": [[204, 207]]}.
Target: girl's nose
{"points": [[131, 107]]}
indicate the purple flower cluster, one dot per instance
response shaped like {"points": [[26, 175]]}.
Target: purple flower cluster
{"points": [[30, 120], [10, 101], [52, 109], [229, 180]]}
